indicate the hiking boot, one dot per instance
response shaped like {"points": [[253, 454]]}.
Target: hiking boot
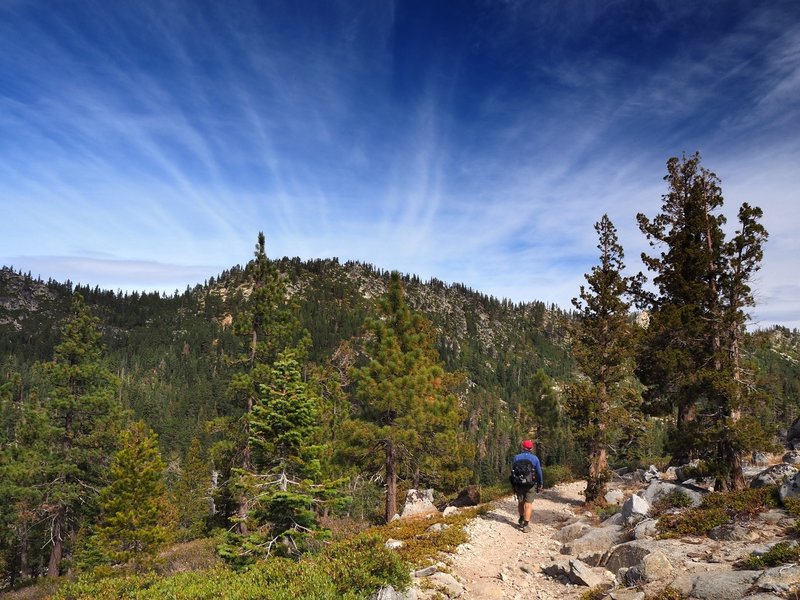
{"points": [[520, 521], [525, 528]]}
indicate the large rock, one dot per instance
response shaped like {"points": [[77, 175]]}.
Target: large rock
{"points": [[616, 497], [646, 530], [571, 532], [792, 457], [628, 555], [655, 566], [790, 488], [582, 574], [635, 509], [774, 475], [731, 585], [733, 532], [793, 435], [389, 593], [449, 584], [594, 544], [659, 489], [469, 496], [779, 579], [418, 503]]}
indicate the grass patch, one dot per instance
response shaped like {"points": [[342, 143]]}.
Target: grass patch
{"points": [[606, 511], [717, 509], [780, 554], [595, 593]]}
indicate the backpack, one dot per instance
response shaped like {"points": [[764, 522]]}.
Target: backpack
{"points": [[523, 473]]}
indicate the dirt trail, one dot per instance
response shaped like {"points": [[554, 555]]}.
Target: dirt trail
{"points": [[502, 562]]}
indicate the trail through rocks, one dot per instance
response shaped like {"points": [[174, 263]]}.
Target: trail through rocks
{"points": [[500, 561]]}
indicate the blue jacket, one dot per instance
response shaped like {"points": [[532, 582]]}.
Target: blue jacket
{"points": [[536, 464]]}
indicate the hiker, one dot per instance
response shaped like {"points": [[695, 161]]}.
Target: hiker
{"points": [[526, 480]]}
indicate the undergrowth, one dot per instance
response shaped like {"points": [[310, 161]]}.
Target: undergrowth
{"points": [[780, 554], [351, 570], [717, 509]]}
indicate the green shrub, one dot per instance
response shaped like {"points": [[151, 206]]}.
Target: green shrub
{"points": [[675, 499], [348, 570], [555, 474], [595, 593], [779, 554], [604, 512], [717, 509]]}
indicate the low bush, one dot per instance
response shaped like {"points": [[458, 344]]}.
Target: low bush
{"points": [[717, 509], [555, 474], [675, 499], [350, 570], [780, 554]]}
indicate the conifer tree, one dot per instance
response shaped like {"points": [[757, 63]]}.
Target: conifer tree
{"points": [[408, 415], [191, 494], [692, 354], [132, 526], [603, 348], [83, 420], [266, 325]]}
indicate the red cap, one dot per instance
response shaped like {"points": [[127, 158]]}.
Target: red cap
{"points": [[527, 444]]}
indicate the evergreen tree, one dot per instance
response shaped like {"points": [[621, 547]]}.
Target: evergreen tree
{"points": [[408, 416], [692, 354], [83, 420], [191, 494], [603, 347], [132, 526], [266, 325]]}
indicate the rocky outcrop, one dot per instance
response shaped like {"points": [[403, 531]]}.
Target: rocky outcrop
{"points": [[774, 475]]}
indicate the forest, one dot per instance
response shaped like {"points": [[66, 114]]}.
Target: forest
{"points": [[284, 405]]}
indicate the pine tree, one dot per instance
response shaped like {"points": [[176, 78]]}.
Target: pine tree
{"points": [[603, 348], [83, 420], [132, 526], [408, 414], [266, 325], [191, 493]]}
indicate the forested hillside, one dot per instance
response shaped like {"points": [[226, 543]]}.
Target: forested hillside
{"points": [[170, 351]]}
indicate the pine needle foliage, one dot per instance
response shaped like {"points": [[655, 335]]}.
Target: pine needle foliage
{"points": [[133, 526], [603, 346]]}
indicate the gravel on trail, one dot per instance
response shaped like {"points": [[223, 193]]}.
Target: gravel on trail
{"points": [[500, 561]]}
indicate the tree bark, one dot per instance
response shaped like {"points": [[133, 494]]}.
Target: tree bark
{"points": [[391, 482]]}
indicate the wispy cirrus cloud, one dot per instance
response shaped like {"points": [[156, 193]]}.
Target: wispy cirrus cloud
{"points": [[477, 147]]}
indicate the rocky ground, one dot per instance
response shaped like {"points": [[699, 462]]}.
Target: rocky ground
{"points": [[569, 550]]}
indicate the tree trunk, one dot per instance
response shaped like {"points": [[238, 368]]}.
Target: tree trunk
{"points": [[596, 481], [391, 482], [57, 551]]}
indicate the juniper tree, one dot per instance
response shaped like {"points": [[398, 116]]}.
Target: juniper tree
{"points": [[603, 347], [692, 354]]}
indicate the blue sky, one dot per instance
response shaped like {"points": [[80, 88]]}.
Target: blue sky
{"points": [[143, 145]]}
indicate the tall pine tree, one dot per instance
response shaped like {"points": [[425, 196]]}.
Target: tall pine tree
{"points": [[603, 347], [83, 421]]}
